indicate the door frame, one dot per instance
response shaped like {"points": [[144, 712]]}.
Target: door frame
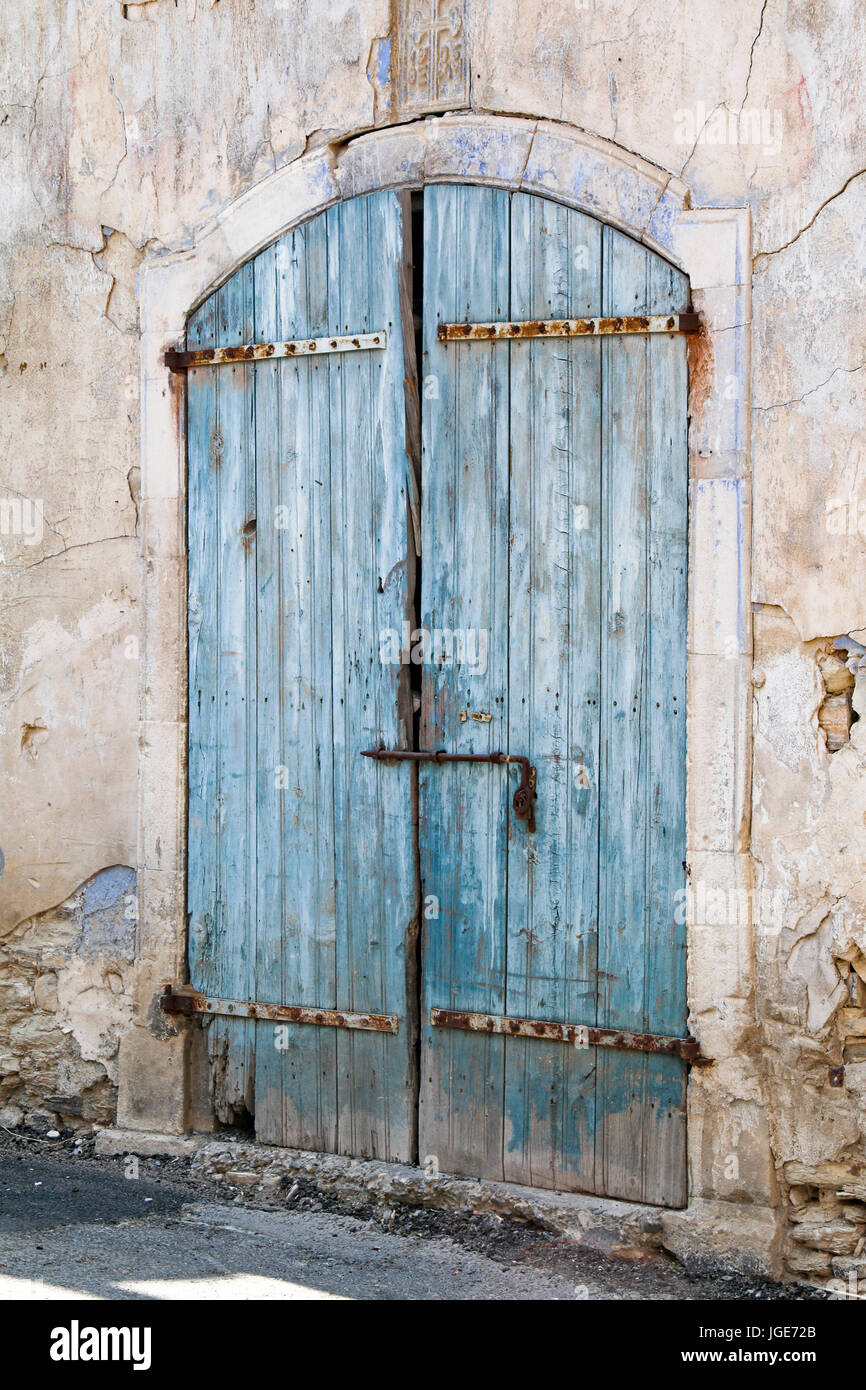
{"points": [[161, 1074]]}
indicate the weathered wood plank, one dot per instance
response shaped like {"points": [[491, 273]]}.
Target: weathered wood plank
{"points": [[297, 1094], [268, 651], [203, 670], [463, 810], [221, 866], [553, 694], [622, 853], [641, 1151], [375, 847], [664, 1177], [269, 655], [237, 582]]}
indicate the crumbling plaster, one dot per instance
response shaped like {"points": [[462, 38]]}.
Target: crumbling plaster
{"points": [[65, 1004], [125, 129]]}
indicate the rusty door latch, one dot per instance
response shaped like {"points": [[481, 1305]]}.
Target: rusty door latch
{"points": [[525, 795]]}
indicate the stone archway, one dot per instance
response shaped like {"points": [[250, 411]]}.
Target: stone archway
{"points": [[712, 245]]}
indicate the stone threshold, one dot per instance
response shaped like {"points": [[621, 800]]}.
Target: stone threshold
{"points": [[706, 1237], [147, 1143], [604, 1224]]}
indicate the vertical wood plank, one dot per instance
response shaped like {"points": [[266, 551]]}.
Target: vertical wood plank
{"points": [[374, 834], [296, 1097], [664, 1163], [622, 854], [203, 498], [269, 656], [222, 560], [641, 948], [553, 694], [463, 810], [237, 733]]}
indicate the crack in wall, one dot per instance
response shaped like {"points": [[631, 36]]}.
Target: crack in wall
{"points": [[752, 55], [798, 400], [81, 545], [766, 255]]}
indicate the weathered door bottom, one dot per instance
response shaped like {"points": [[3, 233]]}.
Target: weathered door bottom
{"points": [[598, 1223]]}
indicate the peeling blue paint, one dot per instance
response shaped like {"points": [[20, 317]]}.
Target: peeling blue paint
{"points": [[106, 888], [107, 913], [856, 659], [383, 62]]}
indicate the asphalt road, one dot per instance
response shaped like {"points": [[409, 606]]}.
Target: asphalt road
{"points": [[81, 1229], [74, 1226]]}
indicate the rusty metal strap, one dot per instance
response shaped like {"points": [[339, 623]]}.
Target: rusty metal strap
{"points": [[179, 361], [183, 1000], [577, 1034], [525, 796], [569, 328]]}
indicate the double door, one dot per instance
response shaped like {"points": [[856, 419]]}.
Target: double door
{"points": [[467, 555]]}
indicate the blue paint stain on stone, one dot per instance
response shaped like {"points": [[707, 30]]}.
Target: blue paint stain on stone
{"points": [[107, 913], [106, 888], [383, 62]]}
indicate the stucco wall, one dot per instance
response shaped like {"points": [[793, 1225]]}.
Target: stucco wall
{"points": [[124, 128]]}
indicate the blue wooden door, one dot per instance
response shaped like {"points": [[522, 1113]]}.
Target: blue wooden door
{"points": [[554, 521], [301, 860], [551, 612]]}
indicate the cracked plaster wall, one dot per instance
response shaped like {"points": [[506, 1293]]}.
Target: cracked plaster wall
{"points": [[123, 128]]}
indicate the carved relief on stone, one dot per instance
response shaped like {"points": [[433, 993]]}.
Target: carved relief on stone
{"points": [[433, 63]]}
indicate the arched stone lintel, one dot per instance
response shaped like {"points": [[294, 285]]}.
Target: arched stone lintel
{"points": [[541, 157]]}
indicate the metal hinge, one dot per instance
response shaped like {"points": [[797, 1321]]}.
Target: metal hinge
{"points": [[577, 1034], [183, 999], [569, 328], [181, 361]]}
